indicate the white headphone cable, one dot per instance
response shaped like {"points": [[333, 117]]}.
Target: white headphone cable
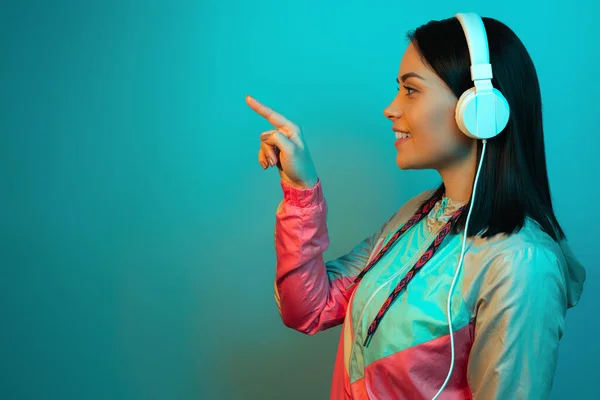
{"points": [[460, 262]]}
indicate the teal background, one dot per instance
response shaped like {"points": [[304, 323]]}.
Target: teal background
{"points": [[136, 232]]}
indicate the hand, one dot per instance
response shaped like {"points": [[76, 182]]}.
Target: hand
{"points": [[285, 147]]}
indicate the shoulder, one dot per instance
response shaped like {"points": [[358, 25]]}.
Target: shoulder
{"points": [[530, 241], [527, 259]]}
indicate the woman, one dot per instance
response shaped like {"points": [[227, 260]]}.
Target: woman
{"points": [[518, 277]]}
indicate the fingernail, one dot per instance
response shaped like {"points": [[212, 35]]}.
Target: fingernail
{"points": [[270, 161], [265, 136], [263, 164]]}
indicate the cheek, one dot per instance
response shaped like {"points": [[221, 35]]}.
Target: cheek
{"points": [[434, 128], [432, 121]]}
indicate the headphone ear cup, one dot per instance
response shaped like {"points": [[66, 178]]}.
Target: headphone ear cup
{"points": [[465, 99], [466, 114]]}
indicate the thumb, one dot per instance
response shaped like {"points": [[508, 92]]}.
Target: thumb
{"points": [[276, 138]]}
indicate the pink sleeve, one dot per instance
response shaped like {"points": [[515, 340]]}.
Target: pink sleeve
{"points": [[311, 294]]}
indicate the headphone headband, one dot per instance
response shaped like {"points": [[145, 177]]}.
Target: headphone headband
{"points": [[477, 41], [482, 112]]}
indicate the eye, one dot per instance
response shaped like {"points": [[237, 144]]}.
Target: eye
{"points": [[408, 89]]}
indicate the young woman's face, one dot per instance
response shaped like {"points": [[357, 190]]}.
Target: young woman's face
{"points": [[424, 108]]}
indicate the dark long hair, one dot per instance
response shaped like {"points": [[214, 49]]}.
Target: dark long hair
{"points": [[513, 183]]}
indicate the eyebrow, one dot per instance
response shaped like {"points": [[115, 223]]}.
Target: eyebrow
{"points": [[409, 75]]}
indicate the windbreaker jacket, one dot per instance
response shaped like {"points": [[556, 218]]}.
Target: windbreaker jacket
{"points": [[508, 304]]}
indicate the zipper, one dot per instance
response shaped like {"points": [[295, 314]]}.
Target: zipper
{"points": [[426, 241]]}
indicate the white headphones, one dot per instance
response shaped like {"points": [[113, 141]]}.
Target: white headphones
{"points": [[482, 111]]}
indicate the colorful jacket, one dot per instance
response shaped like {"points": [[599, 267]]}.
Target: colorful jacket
{"points": [[508, 304]]}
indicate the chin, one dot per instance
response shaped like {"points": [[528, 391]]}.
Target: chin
{"points": [[404, 164], [404, 167]]}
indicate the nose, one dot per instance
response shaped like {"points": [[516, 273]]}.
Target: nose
{"points": [[392, 111]]}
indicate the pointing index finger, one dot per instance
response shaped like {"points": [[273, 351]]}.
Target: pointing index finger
{"points": [[276, 119]]}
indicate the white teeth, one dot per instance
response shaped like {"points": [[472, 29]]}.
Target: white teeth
{"points": [[403, 135]]}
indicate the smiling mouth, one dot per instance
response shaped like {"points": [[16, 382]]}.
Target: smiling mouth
{"points": [[403, 135]]}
